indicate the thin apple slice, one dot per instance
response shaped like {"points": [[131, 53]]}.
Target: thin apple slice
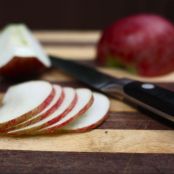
{"points": [[94, 116], [50, 109], [24, 100], [84, 101], [66, 106], [21, 54]]}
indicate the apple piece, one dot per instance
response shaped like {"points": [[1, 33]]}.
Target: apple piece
{"points": [[23, 101], [66, 106], [92, 118], [142, 44], [21, 55], [19, 68], [50, 109], [84, 101]]}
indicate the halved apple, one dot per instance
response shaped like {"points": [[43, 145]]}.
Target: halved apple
{"points": [[21, 55], [23, 101], [50, 109]]}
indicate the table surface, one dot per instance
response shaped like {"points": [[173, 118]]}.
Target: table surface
{"points": [[129, 141]]}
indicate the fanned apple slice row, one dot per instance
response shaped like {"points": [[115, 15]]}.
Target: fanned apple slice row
{"points": [[50, 109], [66, 106], [84, 101], [24, 100], [95, 115]]}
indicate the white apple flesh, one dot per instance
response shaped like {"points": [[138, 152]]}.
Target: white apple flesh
{"points": [[21, 54], [50, 109], [95, 115], [84, 101], [23, 101], [66, 106]]}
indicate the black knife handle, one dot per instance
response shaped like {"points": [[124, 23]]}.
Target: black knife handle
{"points": [[152, 97]]}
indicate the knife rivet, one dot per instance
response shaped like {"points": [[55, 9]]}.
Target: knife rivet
{"points": [[147, 86]]}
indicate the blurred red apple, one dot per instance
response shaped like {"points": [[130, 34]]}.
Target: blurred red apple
{"points": [[141, 43]]}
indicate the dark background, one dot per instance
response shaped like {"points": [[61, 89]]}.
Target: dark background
{"points": [[78, 14]]}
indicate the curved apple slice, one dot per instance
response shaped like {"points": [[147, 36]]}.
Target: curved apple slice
{"points": [[24, 100], [50, 109], [66, 106], [84, 101], [92, 118]]}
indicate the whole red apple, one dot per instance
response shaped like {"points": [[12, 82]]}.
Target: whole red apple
{"points": [[141, 43]]}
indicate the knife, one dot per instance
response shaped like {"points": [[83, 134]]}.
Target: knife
{"points": [[149, 96]]}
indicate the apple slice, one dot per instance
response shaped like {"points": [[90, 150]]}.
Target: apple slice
{"points": [[50, 109], [21, 55], [84, 101], [95, 115], [24, 100], [66, 106]]}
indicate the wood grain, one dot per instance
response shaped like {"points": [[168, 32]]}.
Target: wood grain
{"points": [[28, 162], [68, 36], [113, 141], [75, 52], [61, 76], [133, 120]]}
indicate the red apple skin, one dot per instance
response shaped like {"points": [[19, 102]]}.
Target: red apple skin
{"points": [[38, 130], [6, 125], [92, 126], [21, 68], [32, 131], [144, 42], [87, 128], [41, 116], [80, 113]]}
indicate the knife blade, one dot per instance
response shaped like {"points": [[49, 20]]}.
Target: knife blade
{"points": [[151, 97]]}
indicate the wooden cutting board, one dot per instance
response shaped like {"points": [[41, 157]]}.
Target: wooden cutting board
{"points": [[129, 141]]}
